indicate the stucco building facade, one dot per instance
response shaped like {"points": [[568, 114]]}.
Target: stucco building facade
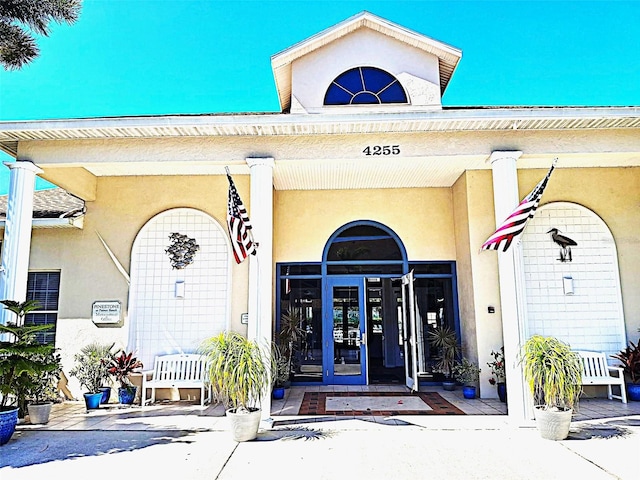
{"points": [[362, 178]]}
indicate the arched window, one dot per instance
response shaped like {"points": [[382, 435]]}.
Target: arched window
{"points": [[365, 86]]}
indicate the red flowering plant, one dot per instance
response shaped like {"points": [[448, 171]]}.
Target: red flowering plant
{"points": [[497, 367], [122, 365]]}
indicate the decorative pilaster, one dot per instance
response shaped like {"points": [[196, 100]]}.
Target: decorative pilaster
{"points": [[511, 278], [17, 233], [261, 265]]}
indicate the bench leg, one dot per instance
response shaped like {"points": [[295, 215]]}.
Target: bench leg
{"points": [[143, 395]]}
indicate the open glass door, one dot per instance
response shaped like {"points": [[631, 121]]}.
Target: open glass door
{"points": [[345, 355], [409, 333]]}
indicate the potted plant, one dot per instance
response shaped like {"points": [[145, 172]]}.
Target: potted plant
{"points": [[42, 391], [91, 370], [554, 375], [445, 341], [22, 359], [466, 372], [498, 373], [282, 374], [288, 340], [120, 367], [240, 371], [630, 360]]}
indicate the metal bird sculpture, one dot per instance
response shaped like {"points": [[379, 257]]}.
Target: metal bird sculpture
{"points": [[565, 244]]}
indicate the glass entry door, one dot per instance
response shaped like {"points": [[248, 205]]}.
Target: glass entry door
{"points": [[344, 327], [411, 340]]}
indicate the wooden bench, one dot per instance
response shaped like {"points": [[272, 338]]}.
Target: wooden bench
{"points": [[596, 371], [177, 371]]}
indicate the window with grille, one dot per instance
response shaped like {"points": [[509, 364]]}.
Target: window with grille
{"points": [[44, 287], [365, 86]]}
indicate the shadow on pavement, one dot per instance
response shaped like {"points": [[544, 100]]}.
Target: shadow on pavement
{"points": [[37, 447]]}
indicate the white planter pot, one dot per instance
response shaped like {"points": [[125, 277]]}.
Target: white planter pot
{"points": [[553, 424], [244, 426], [39, 413]]}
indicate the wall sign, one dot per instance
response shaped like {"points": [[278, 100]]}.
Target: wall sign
{"points": [[107, 313]]}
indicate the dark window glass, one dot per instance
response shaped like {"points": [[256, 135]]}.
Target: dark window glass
{"points": [[44, 287], [434, 307], [300, 269], [365, 98], [365, 86], [431, 268], [337, 96], [364, 250], [301, 312], [388, 269], [392, 93]]}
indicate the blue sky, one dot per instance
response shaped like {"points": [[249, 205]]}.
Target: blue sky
{"points": [[152, 57]]}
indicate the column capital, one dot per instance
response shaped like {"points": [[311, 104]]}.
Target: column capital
{"points": [[497, 155], [25, 165], [260, 161]]}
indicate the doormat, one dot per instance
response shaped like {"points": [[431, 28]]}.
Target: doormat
{"points": [[383, 404]]}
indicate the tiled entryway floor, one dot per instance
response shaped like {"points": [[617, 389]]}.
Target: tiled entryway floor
{"points": [[189, 416]]}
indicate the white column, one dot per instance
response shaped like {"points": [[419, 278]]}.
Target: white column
{"points": [[261, 265], [17, 233], [506, 198]]}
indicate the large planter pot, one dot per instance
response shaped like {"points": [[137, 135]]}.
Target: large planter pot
{"points": [[553, 424], [8, 422], [469, 391], [244, 426], [633, 391], [449, 385], [92, 400], [106, 395], [126, 395], [39, 412], [278, 393], [502, 391]]}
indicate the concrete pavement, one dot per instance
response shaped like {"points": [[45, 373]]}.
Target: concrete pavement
{"points": [[420, 447]]}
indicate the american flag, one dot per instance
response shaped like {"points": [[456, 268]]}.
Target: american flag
{"points": [[239, 226], [516, 222]]}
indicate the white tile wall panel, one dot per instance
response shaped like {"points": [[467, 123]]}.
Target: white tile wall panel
{"points": [[591, 318], [160, 322]]}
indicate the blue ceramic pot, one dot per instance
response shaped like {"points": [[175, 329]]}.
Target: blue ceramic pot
{"points": [[502, 392], [126, 395], [106, 394], [8, 422], [92, 400], [469, 392], [278, 393], [633, 391]]}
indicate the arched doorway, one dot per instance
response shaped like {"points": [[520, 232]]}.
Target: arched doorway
{"points": [[363, 262], [346, 312]]}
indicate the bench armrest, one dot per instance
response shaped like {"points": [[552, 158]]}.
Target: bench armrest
{"points": [[618, 369]]}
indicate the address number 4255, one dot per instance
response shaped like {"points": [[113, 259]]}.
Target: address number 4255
{"points": [[382, 150]]}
